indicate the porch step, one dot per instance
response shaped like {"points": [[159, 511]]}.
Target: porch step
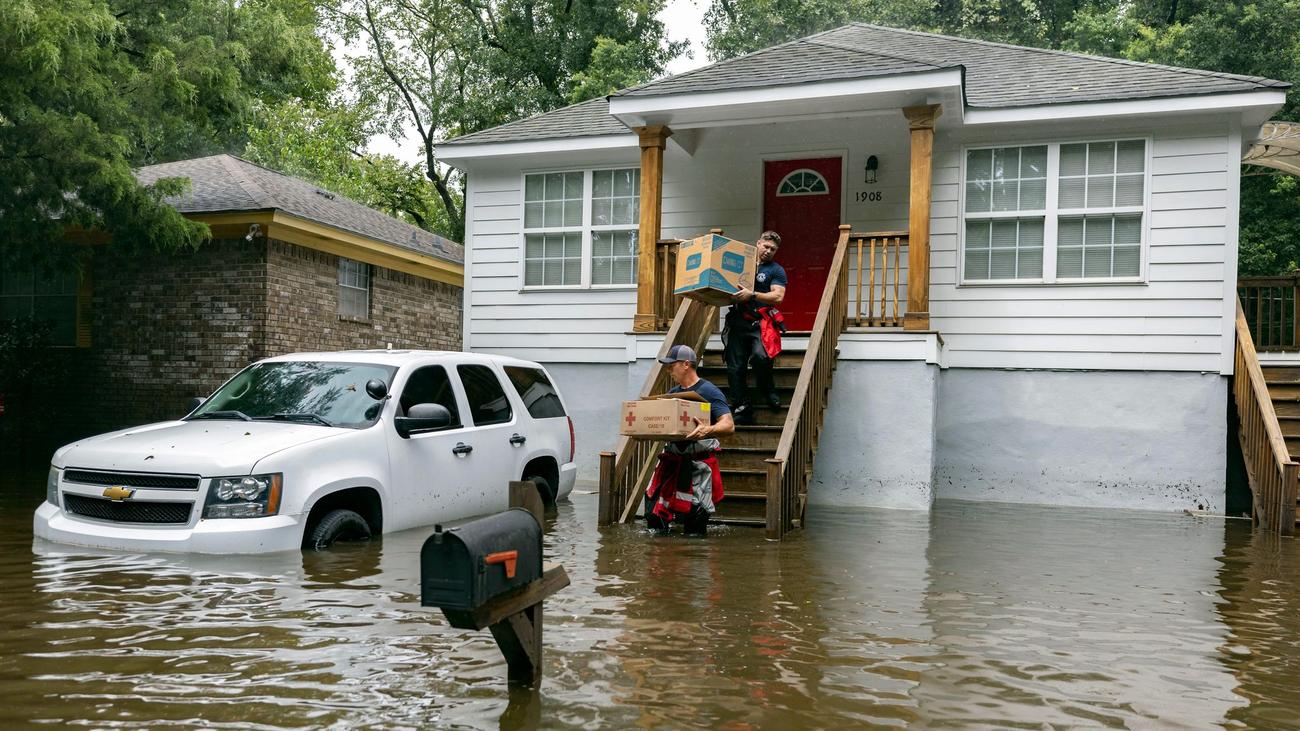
{"points": [[713, 357], [764, 436], [783, 377]]}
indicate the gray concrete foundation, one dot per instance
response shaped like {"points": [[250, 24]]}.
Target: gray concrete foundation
{"points": [[594, 392], [877, 446], [1120, 439]]}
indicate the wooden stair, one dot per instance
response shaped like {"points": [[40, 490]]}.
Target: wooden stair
{"points": [[1283, 384], [745, 454]]}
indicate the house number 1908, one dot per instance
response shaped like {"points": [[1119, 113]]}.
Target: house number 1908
{"points": [[863, 196]]}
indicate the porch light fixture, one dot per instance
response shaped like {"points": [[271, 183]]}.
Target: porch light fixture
{"points": [[873, 164]]}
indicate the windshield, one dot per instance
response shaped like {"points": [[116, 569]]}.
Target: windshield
{"points": [[309, 392]]}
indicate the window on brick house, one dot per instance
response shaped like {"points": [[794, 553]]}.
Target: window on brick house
{"points": [[354, 288], [51, 297]]}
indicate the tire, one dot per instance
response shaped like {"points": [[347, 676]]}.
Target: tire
{"points": [[544, 489], [337, 525]]}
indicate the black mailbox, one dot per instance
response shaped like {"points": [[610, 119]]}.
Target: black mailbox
{"points": [[463, 568]]}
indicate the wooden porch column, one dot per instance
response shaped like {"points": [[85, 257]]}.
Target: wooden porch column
{"points": [[920, 120], [653, 139]]}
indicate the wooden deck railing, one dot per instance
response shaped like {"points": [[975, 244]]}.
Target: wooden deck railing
{"points": [[665, 303], [1270, 306], [875, 279], [625, 471], [1269, 467], [788, 470]]}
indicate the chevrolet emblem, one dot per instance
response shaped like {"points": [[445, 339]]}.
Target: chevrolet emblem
{"points": [[118, 493]]}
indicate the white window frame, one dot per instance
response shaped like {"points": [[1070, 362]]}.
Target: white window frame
{"points": [[586, 228], [1052, 214], [369, 278]]}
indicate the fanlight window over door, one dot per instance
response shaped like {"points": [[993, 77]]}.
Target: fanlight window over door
{"points": [[803, 182]]}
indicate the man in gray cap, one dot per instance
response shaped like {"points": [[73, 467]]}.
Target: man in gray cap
{"points": [[687, 483]]}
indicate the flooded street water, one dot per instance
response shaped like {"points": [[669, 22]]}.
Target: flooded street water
{"points": [[975, 615]]}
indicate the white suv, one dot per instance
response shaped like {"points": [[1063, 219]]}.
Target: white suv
{"points": [[302, 450]]}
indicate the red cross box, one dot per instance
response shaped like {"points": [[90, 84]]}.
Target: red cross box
{"points": [[665, 417]]}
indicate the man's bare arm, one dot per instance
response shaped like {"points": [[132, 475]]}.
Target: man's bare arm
{"points": [[724, 427], [774, 298]]}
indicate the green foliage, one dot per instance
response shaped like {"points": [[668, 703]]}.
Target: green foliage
{"points": [[326, 146], [89, 88], [451, 67]]}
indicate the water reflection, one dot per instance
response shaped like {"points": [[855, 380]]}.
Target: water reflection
{"points": [[971, 616]]}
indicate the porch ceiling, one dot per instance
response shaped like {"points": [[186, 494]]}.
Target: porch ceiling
{"points": [[1277, 147], [792, 102]]}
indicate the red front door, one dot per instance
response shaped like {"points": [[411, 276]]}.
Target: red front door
{"points": [[801, 202]]}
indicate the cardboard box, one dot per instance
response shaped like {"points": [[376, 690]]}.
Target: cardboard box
{"points": [[666, 417], [713, 267]]}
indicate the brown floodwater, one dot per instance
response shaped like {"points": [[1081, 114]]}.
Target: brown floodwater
{"points": [[973, 616]]}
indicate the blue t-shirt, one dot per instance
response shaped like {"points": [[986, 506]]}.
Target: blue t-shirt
{"points": [[717, 402], [764, 277]]}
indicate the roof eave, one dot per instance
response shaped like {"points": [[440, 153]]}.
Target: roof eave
{"points": [[1255, 107], [459, 155]]}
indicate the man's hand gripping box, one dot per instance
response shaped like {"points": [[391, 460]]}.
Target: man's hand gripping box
{"points": [[713, 267]]}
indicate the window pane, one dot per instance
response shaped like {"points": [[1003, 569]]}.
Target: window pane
{"points": [[1128, 230], [1069, 260], [624, 271], [1033, 194], [1002, 264], [552, 273], [532, 273], [572, 246], [1131, 157], [1101, 192], [533, 246], [1073, 159], [1033, 162], [552, 217], [1096, 262], [536, 391], [602, 184], [533, 215], [533, 187], [1101, 158], [1004, 234], [1126, 261], [978, 197], [487, 400], [1071, 193], [1006, 163], [977, 264], [602, 270], [1031, 264], [1096, 231], [602, 243], [979, 165], [430, 385], [977, 234], [1128, 190], [573, 186], [1005, 195], [554, 187], [572, 271], [1069, 232], [572, 213], [602, 212], [625, 211], [627, 182]]}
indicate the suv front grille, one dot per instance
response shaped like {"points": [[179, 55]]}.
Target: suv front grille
{"points": [[133, 479], [129, 511]]}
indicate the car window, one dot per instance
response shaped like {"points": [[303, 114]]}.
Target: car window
{"points": [[430, 385], [312, 391], [487, 401], [536, 391]]}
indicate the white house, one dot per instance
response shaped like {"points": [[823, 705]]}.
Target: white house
{"points": [[1061, 229]]}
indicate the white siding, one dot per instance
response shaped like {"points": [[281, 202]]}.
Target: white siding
{"points": [[1171, 322]]}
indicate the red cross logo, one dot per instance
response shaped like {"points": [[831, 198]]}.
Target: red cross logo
{"points": [[631, 418], [686, 419]]}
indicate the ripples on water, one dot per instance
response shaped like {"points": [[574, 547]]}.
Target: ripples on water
{"points": [[972, 616]]}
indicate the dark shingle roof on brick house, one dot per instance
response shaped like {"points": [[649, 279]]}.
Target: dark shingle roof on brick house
{"points": [[225, 183], [997, 75]]}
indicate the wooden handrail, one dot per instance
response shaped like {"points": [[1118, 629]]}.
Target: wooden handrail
{"points": [[1271, 471], [879, 253], [625, 471], [665, 302], [789, 468]]}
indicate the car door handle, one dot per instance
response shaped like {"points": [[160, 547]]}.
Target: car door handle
{"points": [[461, 448], [517, 439]]}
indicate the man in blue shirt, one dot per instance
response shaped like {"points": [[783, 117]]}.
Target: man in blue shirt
{"points": [[687, 483], [742, 336]]}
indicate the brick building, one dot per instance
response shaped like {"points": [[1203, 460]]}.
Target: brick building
{"points": [[290, 268]]}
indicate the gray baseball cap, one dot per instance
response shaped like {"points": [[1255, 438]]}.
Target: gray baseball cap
{"points": [[679, 352]]}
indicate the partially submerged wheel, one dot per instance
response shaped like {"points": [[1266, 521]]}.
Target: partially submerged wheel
{"points": [[337, 525], [544, 489]]}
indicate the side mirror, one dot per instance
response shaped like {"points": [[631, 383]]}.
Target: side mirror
{"points": [[376, 389], [422, 418], [194, 403]]}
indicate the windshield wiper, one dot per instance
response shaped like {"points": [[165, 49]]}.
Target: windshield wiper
{"points": [[288, 416], [223, 415]]}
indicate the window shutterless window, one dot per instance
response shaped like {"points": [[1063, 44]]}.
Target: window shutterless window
{"points": [[430, 385], [47, 297], [536, 391], [487, 400], [1054, 212], [580, 228], [354, 288]]}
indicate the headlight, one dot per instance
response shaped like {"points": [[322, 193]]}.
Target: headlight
{"points": [[251, 496], [52, 487]]}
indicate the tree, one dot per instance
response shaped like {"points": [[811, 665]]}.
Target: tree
{"points": [[450, 67], [326, 145], [89, 88]]}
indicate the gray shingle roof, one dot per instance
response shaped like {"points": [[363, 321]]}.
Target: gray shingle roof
{"points": [[997, 76], [225, 183]]}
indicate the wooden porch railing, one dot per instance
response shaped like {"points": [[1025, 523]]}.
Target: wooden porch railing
{"points": [[665, 302], [1269, 467], [1270, 305], [625, 471], [788, 470], [876, 259]]}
